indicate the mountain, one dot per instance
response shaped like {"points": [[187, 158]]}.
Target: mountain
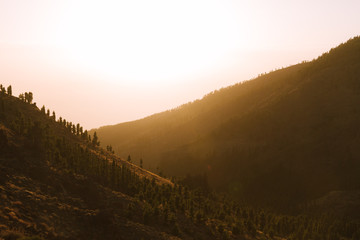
{"points": [[284, 139], [56, 183]]}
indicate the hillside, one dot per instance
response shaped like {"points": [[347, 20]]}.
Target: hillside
{"points": [[283, 139], [56, 183]]}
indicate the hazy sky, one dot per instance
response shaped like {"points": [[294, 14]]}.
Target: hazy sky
{"points": [[106, 62]]}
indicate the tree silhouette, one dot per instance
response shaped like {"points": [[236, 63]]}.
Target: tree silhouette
{"points": [[78, 129], [22, 97], [3, 90], [30, 99], [85, 135], [9, 90], [95, 140], [109, 148]]}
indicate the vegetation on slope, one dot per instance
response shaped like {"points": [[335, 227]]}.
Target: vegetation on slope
{"points": [[283, 139], [56, 183]]}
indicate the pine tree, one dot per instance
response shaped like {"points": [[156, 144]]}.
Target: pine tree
{"points": [[78, 129], [9, 90], [85, 135], [3, 90], [129, 158], [30, 97], [95, 140]]}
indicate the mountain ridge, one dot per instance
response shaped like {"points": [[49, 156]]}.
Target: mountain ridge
{"points": [[57, 183], [275, 180], [274, 124]]}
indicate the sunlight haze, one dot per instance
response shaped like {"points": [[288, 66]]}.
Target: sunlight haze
{"points": [[106, 62]]}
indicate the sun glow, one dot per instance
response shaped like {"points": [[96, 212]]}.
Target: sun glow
{"points": [[120, 60], [148, 41]]}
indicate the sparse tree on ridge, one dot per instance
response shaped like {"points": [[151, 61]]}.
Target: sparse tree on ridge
{"points": [[109, 148], [30, 98], [3, 90], [78, 129], [22, 97], [9, 90], [85, 135], [95, 140], [27, 97]]}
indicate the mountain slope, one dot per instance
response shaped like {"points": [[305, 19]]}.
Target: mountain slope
{"points": [[57, 184], [284, 138], [49, 185]]}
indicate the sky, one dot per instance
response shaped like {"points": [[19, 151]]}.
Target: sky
{"points": [[105, 62]]}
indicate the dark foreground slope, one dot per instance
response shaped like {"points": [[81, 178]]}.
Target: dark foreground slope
{"points": [[55, 183], [283, 139]]}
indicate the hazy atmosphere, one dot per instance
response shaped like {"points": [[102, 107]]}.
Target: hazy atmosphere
{"points": [[105, 62], [179, 120]]}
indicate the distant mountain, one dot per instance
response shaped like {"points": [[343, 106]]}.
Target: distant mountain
{"points": [[283, 139]]}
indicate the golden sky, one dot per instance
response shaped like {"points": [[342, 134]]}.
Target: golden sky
{"points": [[105, 62]]}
